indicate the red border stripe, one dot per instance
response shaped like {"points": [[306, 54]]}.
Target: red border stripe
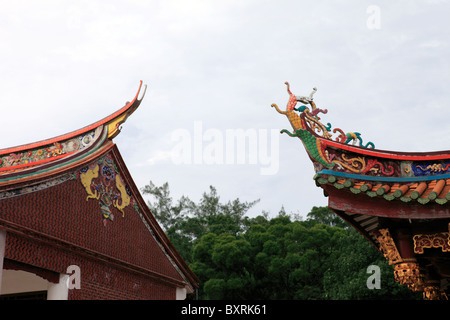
{"points": [[389, 155]]}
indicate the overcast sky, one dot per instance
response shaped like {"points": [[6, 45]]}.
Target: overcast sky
{"points": [[381, 68]]}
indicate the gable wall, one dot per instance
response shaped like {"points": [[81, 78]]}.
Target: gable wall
{"points": [[65, 213]]}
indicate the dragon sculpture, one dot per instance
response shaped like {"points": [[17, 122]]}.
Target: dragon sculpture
{"points": [[307, 126]]}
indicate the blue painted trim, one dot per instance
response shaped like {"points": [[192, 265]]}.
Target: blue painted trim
{"points": [[387, 179]]}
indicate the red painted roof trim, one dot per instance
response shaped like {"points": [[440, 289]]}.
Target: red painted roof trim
{"points": [[30, 164], [419, 156]]}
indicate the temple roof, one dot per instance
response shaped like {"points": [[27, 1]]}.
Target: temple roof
{"points": [[362, 180], [55, 154], [436, 190], [82, 174], [406, 176]]}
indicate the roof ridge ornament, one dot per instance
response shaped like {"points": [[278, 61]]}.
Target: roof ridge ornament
{"points": [[397, 200], [309, 120], [302, 99]]}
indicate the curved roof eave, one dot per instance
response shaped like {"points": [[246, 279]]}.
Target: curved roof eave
{"points": [[36, 157], [113, 121]]}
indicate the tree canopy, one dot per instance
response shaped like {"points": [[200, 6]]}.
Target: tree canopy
{"points": [[284, 257]]}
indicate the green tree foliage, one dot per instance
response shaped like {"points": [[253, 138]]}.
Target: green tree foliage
{"points": [[236, 257], [185, 221], [323, 215]]}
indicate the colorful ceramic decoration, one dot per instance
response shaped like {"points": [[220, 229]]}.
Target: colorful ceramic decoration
{"points": [[102, 182], [400, 201], [37, 158], [45, 161], [308, 127], [44, 154], [328, 147]]}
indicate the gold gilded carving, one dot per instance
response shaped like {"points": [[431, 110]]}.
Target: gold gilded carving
{"points": [[388, 247], [408, 273], [432, 291], [437, 240]]}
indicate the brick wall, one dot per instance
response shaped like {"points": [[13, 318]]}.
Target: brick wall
{"points": [[62, 212], [98, 280]]}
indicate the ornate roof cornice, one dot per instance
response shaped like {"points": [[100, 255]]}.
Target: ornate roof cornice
{"points": [[50, 155], [333, 154]]}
